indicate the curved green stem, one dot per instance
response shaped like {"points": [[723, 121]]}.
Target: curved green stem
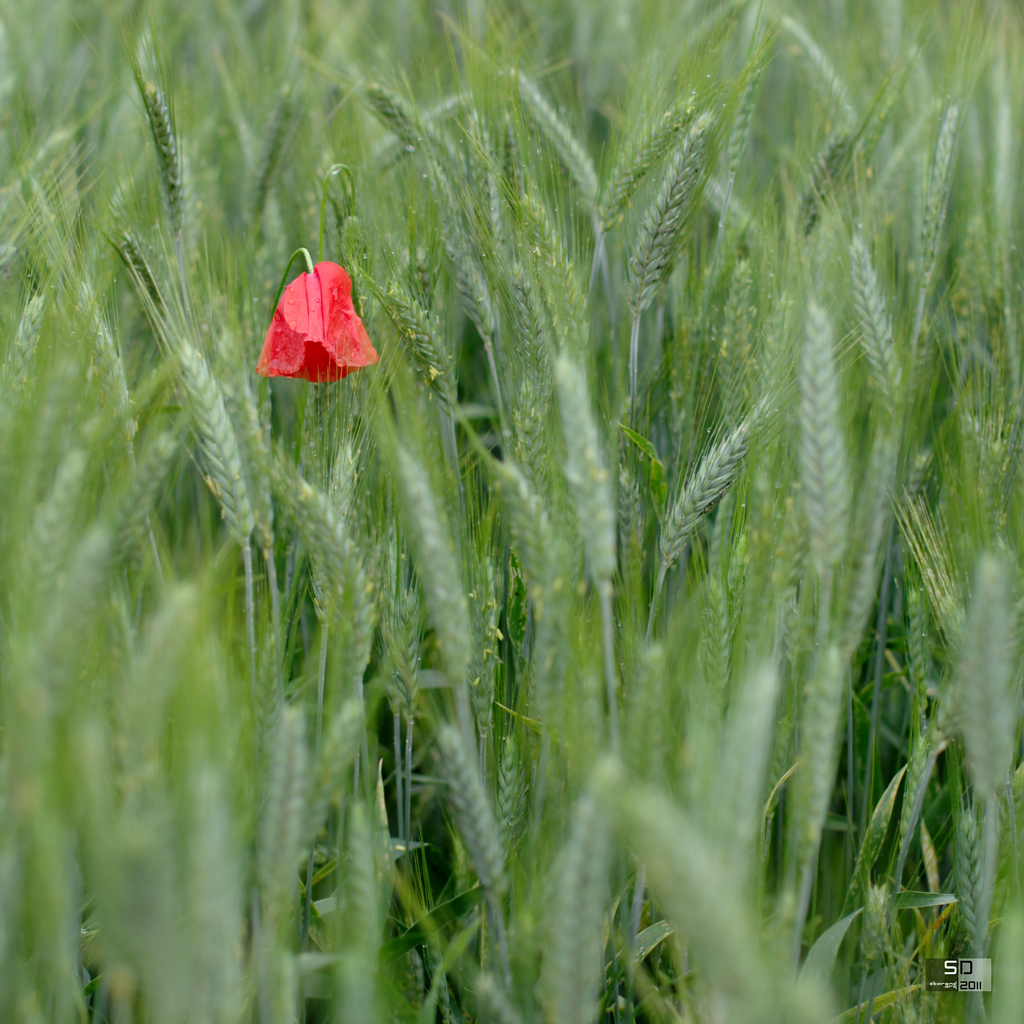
{"points": [[288, 267], [331, 171]]}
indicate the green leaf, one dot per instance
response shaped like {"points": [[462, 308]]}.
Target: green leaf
{"points": [[518, 602], [641, 442], [650, 938], [910, 900], [882, 1002], [399, 847], [822, 955], [451, 955], [659, 487], [456, 907], [869, 849]]}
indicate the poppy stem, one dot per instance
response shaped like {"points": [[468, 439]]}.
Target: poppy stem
{"points": [[284, 277], [331, 171]]}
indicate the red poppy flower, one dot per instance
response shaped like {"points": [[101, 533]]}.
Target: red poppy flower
{"points": [[316, 333]]}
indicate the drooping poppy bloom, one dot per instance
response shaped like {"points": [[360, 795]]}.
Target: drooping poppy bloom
{"points": [[316, 333]]}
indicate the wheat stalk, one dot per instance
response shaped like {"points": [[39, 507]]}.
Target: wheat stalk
{"points": [[828, 169], [356, 974], [511, 802], [221, 454], [734, 152], [823, 472], [638, 159], [395, 114], [107, 359], [927, 546], [703, 489], [284, 815], [715, 640], [347, 591], [657, 241], [274, 134], [585, 469], [967, 871], [419, 330], [818, 60], [562, 293], [473, 812], [486, 638], [563, 140], [21, 352], [733, 348], [876, 328], [531, 335], [819, 719], [940, 181], [745, 753], [591, 486], [129, 248], [493, 1003], [141, 496], [342, 739], [475, 819], [161, 127], [572, 962], [983, 679], [939, 184], [542, 552], [439, 575], [873, 519]]}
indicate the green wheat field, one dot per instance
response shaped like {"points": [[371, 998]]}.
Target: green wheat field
{"points": [[639, 640]]}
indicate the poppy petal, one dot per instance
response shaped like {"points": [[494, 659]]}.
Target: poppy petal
{"points": [[315, 333], [314, 303], [344, 334], [294, 305], [283, 350], [318, 365]]}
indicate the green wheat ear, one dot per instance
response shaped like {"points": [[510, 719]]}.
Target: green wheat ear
{"points": [[570, 150], [419, 331], [570, 971], [438, 568], [876, 327], [823, 470], [274, 134], [658, 239], [586, 470], [704, 487], [161, 128]]}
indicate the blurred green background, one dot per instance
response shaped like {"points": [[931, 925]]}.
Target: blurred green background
{"points": [[638, 640]]}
